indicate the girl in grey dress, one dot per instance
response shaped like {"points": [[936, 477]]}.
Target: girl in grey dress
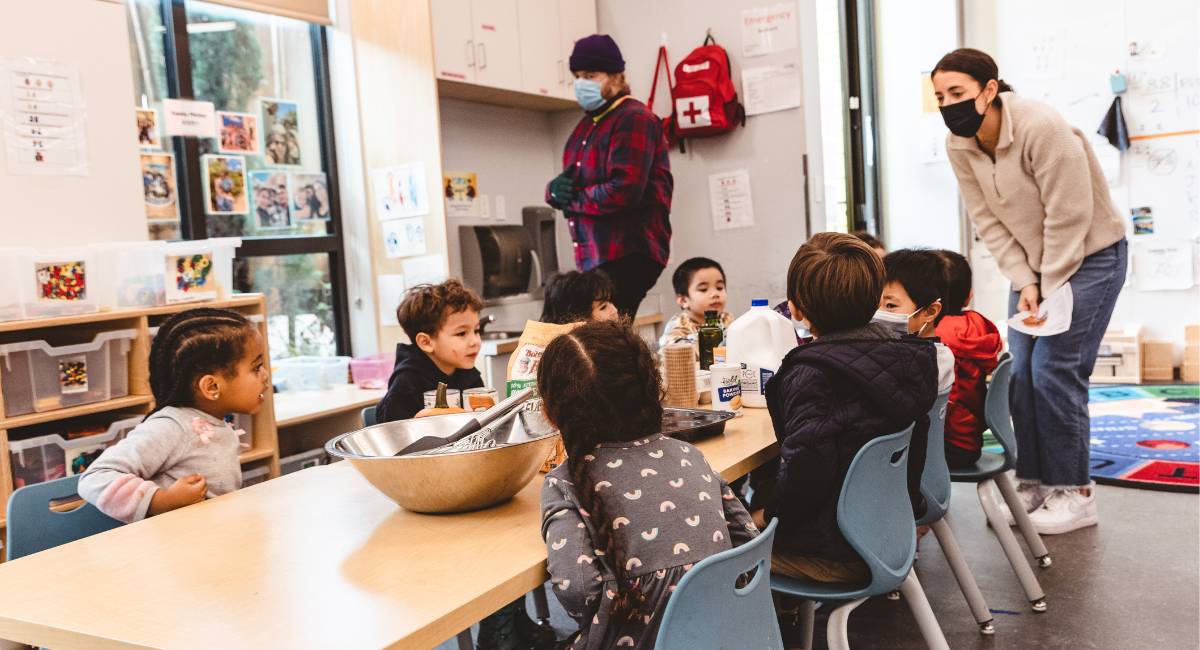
{"points": [[630, 511]]}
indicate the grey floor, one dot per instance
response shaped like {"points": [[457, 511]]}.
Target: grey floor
{"points": [[1131, 582]]}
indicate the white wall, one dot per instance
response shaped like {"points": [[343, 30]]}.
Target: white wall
{"points": [[105, 204], [771, 147], [919, 192]]}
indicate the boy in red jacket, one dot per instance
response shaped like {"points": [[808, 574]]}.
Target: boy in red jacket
{"points": [[976, 344]]}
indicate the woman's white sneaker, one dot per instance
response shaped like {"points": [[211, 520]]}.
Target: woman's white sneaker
{"points": [[1031, 495], [1065, 510]]}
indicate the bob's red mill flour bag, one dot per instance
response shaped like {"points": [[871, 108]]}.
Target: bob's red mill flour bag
{"points": [[523, 365]]}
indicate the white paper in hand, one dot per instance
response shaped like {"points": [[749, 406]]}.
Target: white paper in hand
{"points": [[1055, 309]]}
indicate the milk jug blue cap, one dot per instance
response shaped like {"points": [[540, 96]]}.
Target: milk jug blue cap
{"points": [[759, 302]]}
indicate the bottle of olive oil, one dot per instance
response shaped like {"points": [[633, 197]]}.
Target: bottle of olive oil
{"points": [[710, 336]]}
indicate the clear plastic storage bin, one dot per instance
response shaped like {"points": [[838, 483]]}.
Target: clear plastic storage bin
{"points": [[139, 273], [14, 294], [311, 373], [40, 377], [255, 476], [200, 269], [244, 423], [65, 281], [372, 371], [301, 461], [52, 456]]}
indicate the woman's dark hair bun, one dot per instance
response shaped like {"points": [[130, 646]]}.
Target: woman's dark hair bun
{"points": [[978, 64]]}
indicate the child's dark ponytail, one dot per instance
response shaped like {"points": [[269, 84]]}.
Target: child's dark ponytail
{"points": [[191, 344]]}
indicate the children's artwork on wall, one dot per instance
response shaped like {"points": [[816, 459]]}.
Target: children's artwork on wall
{"points": [[237, 133], [159, 188], [270, 191], [404, 237], [281, 131], [400, 191], [147, 128], [225, 184], [1143, 220], [73, 375], [190, 277], [310, 196], [61, 281]]}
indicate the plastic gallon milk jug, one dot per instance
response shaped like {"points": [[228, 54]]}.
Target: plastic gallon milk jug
{"points": [[758, 340]]}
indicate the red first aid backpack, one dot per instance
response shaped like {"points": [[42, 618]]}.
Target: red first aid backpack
{"points": [[704, 102]]}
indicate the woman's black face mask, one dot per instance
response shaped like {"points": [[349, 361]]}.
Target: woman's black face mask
{"points": [[962, 119]]}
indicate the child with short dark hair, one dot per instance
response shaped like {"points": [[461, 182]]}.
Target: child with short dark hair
{"points": [[855, 382], [577, 296], [874, 242], [913, 302], [442, 324], [631, 511], [976, 344], [699, 285], [205, 364]]}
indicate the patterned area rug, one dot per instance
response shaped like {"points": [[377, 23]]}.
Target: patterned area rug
{"points": [[1143, 436]]}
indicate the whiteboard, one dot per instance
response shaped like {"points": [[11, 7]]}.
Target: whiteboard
{"points": [[106, 204], [1063, 52]]}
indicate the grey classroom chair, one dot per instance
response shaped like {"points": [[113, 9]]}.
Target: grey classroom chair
{"points": [[368, 417], [935, 487], [709, 610], [875, 516], [33, 527], [991, 470]]}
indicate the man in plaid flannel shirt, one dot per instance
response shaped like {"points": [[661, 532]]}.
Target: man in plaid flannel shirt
{"points": [[616, 186]]}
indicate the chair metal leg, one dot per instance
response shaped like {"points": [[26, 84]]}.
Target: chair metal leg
{"points": [[464, 640], [1032, 539], [962, 574], [919, 604], [837, 631], [541, 607], [807, 615], [1008, 542]]}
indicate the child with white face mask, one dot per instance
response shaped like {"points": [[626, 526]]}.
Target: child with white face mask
{"points": [[911, 303]]}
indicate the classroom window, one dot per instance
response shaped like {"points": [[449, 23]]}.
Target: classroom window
{"points": [[269, 175]]}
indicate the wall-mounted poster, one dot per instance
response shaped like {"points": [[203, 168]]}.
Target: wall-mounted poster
{"points": [[158, 187], [281, 131], [224, 184], [461, 190], [237, 133]]}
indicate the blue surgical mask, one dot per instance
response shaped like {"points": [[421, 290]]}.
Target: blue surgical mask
{"points": [[802, 329], [588, 94]]}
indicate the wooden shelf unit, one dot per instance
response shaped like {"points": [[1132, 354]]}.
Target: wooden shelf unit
{"points": [[265, 440]]}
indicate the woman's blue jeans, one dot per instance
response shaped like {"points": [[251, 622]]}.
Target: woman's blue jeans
{"points": [[1049, 395]]}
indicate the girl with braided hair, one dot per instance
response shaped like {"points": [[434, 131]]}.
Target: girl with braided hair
{"points": [[204, 365], [631, 511]]}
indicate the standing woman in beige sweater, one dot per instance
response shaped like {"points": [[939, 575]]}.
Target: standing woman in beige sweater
{"points": [[1038, 199]]}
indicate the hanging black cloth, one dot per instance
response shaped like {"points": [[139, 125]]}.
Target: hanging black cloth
{"points": [[1113, 126]]}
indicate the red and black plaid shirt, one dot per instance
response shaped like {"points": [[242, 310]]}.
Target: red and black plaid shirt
{"points": [[624, 204]]}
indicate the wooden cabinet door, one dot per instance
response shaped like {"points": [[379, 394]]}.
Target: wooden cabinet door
{"points": [[576, 19], [453, 40], [542, 63], [497, 43]]}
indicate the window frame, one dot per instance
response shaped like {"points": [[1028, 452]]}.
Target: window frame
{"points": [[193, 219]]}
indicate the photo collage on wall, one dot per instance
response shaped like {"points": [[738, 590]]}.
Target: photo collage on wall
{"points": [[280, 196], [159, 189]]}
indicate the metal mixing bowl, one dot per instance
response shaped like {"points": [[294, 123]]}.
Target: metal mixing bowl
{"points": [[448, 482]]}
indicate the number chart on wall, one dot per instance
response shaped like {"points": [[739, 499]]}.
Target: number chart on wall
{"points": [[1066, 58]]}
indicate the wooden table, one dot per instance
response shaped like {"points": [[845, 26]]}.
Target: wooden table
{"points": [[298, 407], [316, 559]]}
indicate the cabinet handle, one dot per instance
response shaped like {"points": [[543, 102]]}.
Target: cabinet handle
{"points": [[483, 55], [470, 54], [561, 77]]}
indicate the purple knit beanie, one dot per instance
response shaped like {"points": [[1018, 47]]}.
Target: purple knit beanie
{"points": [[597, 53]]}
